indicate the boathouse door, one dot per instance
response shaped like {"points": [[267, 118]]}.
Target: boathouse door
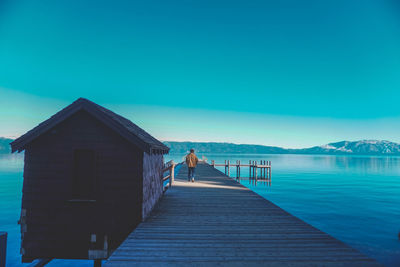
{"points": [[83, 186]]}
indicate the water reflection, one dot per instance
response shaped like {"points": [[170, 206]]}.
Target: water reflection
{"points": [[312, 163], [255, 182], [365, 164], [11, 162], [330, 163]]}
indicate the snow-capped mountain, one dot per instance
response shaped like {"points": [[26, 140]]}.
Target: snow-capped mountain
{"points": [[366, 147]]}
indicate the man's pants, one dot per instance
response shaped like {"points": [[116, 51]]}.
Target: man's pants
{"points": [[191, 173]]}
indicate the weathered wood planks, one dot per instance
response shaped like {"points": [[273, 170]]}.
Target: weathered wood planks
{"points": [[217, 221]]}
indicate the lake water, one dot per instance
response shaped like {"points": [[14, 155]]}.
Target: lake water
{"points": [[355, 199]]}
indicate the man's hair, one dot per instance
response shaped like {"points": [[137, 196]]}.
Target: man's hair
{"points": [[191, 150]]}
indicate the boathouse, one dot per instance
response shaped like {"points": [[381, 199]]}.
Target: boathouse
{"points": [[90, 177]]}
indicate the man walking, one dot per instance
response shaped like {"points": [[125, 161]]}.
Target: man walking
{"points": [[191, 161]]}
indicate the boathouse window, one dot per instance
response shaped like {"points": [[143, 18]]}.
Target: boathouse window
{"points": [[83, 184]]}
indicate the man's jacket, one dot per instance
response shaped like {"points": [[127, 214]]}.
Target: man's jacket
{"points": [[191, 160]]}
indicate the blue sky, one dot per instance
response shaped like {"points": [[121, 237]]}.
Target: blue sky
{"points": [[286, 73]]}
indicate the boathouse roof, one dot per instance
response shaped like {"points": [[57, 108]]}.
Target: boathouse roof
{"points": [[127, 129]]}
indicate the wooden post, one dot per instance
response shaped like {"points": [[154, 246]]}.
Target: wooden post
{"points": [[97, 253], [239, 169], [265, 170], [258, 176], [252, 169], [213, 163], [262, 170], [249, 168], [256, 171], [228, 168], [3, 248], [172, 173], [270, 168], [225, 167]]}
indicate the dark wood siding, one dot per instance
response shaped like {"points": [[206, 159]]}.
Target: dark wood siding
{"points": [[152, 182], [56, 227]]}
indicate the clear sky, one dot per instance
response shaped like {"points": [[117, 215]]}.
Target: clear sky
{"points": [[288, 73]]}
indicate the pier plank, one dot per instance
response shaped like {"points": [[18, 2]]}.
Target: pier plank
{"points": [[217, 221]]}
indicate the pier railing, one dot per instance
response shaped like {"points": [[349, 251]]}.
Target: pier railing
{"points": [[261, 170], [168, 168]]}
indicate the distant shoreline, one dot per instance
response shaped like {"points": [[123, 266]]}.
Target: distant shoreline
{"points": [[365, 147], [359, 148]]}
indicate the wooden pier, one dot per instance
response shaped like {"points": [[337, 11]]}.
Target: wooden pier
{"points": [[217, 221], [264, 167]]}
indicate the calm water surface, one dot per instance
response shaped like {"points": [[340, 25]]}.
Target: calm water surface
{"points": [[355, 199]]}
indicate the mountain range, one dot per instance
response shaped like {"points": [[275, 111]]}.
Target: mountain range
{"points": [[5, 145], [364, 147]]}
